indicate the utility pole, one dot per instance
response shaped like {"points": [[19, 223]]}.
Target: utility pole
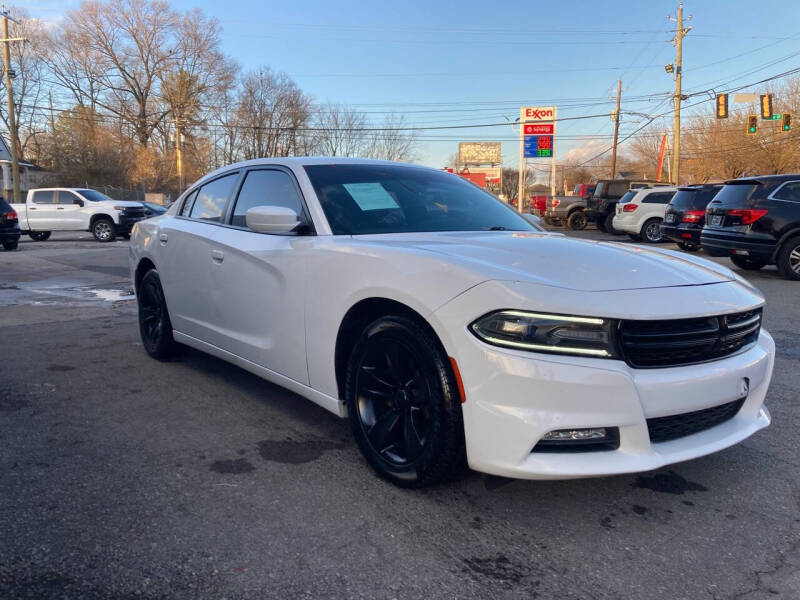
{"points": [[523, 167], [616, 131], [680, 33], [12, 120]]}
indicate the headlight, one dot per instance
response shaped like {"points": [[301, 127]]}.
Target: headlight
{"points": [[121, 208], [540, 332]]}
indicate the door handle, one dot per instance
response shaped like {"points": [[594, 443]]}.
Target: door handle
{"points": [[217, 256], [163, 238], [31, 208], [59, 208]]}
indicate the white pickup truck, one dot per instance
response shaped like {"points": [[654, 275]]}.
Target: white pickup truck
{"points": [[76, 209]]}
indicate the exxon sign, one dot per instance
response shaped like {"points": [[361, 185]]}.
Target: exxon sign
{"points": [[529, 114]]}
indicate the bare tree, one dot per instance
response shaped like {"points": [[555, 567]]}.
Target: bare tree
{"points": [[271, 112], [339, 131], [394, 141]]}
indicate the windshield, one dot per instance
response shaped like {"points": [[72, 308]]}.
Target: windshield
{"points": [[598, 190], [94, 196], [363, 198]]}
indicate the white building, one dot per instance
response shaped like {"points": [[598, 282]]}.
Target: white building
{"points": [[30, 175]]}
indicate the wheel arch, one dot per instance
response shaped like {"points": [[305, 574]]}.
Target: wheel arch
{"points": [[144, 265], [358, 317], [97, 216], [793, 232]]}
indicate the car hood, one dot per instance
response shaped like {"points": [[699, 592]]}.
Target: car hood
{"points": [[561, 261]]}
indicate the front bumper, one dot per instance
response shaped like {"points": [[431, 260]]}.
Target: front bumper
{"points": [[513, 398], [126, 223]]}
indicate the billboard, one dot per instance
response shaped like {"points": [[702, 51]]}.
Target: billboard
{"points": [[479, 153]]}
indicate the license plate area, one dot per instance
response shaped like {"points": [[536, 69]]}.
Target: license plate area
{"points": [[716, 220]]}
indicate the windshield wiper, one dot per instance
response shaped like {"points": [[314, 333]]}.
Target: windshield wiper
{"points": [[498, 228]]}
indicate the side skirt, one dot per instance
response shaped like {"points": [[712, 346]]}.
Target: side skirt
{"points": [[334, 405]]}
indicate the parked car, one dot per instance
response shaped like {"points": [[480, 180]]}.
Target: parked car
{"points": [[151, 209], [446, 328], [756, 222], [602, 206], [9, 226], [77, 209], [686, 215], [570, 210], [641, 212]]}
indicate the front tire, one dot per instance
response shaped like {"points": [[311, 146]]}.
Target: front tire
{"points": [[155, 327], [748, 264], [39, 236], [403, 404], [651, 231], [11, 245], [577, 221], [104, 230], [788, 259]]}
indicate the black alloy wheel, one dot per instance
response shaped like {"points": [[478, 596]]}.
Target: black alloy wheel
{"points": [[651, 231], [577, 221], [404, 405], [155, 327], [747, 263]]}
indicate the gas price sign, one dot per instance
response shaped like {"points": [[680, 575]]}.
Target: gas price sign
{"points": [[538, 146]]}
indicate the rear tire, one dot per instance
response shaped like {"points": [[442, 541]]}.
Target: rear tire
{"points": [[601, 225], [155, 327], [609, 223], [687, 247], [651, 231], [39, 236], [788, 259], [403, 404], [11, 245], [104, 230], [577, 221], [748, 264]]}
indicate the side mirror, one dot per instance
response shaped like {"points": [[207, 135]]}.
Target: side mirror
{"points": [[271, 219], [78, 201]]}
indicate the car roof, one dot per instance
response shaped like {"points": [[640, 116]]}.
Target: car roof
{"points": [[764, 179]]}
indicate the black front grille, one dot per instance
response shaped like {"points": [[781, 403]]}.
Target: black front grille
{"points": [[664, 429], [675, 342], [133, 213]]}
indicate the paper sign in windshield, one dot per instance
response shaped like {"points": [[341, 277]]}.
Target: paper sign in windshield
{"points": [[370, 196]]}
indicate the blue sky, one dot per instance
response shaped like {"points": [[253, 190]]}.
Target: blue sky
{"points": [[466, 63]]}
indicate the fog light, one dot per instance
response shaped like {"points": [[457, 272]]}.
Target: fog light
{"points": [[579, 440], [574, 435]]}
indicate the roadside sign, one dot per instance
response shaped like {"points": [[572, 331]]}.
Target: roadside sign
{"points": [[530, 114], [538, 146], [775, 117], [538, 129]]}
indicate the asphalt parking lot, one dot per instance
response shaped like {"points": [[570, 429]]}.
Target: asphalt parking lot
{"points": [[124, 477]]}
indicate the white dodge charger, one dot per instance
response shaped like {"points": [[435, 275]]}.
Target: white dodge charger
{"points": [[448, 329]]}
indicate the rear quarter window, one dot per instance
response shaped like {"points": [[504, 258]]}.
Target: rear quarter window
{"points": [[738, 194]]}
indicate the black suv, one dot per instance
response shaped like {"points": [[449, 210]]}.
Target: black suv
{"points": [[602, 206], [756, 221], [9, 226], [686, 215]]}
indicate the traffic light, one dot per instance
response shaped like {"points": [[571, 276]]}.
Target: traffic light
{"points": [[752, 124], [722, 106], [766, 106], [786, 122]]}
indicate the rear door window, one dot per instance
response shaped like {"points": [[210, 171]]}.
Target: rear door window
{"points": [[44, 197], [737, 194], [212, 198], [658, 198], [617, 189]]}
